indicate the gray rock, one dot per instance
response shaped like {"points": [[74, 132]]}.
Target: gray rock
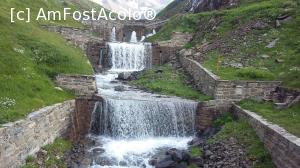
{"points": [[120, 88], [265, 56], [236, 65], [260, 25], [124, 75], [208, 153], [272, 44], [166, 162], [279, 60]]}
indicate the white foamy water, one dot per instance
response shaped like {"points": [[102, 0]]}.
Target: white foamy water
{"points": [[133, 38], [137, 152], [130, 56]]}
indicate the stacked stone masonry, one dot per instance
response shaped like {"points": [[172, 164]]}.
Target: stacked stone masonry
{"points": [[25, 137], [211, 84], [79, 84], [209, 111], [283, 146]]}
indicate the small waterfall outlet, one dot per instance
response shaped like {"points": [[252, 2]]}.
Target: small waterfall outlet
{"points": [[113, 34], [133, 38], [130, 126], [130, 56]]}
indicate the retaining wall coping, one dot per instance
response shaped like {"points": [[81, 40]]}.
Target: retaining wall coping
{"points": [[278, 129], [215, 77], [250, 81], [76, 76], [36, 114]]}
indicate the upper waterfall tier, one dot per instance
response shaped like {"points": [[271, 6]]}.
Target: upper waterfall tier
{"points": [[130, 56]]}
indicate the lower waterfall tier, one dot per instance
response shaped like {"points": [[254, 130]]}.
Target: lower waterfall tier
{"points": [[138, 119]]}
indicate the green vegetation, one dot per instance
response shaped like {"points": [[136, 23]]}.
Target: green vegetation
{"points": [[54, 156], [30, 58], [196, 152], [230, 73], [287, 118], [225, 118], [236, 41], [246, 136], [167, 80]]}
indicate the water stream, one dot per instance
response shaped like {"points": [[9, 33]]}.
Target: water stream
{"points": [[130, 126]]}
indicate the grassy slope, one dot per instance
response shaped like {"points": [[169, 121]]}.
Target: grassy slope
{"points": [[169, 82], [287, 48], [30, 57], [287, 118]]}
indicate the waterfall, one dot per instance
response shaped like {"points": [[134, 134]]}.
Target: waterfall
{"points": [[129, 56], [130, 126], [113, 34], [133, 38], [140, 119], [101, 57]]}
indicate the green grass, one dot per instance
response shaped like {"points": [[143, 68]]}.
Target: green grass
{"points": [[30, 57], [54, 157], [287, 47], [196, 152], [230, 73], [246, 136], [169, 82], [287, 118]]}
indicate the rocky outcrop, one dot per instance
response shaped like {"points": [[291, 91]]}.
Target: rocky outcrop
{"points": [[206, 5]]}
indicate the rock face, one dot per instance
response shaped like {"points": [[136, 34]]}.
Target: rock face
{"points": [[206, 5]]}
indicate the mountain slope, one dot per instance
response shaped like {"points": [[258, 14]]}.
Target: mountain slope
{"points": [[30, 57], [175, 7], [259, 40]]}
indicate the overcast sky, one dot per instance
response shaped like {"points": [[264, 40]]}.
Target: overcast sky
{"points": [[122, 5]]}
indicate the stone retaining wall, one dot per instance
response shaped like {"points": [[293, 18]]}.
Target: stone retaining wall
{"points": [[77, 37], [209, 111], [23, 138], [80, 84], [283, 146], [211, 84], [83, 116]]}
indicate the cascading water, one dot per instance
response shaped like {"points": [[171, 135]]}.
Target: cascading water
{"points": [[133, 38], [130, 126], [139, 118], [113, 34], [130, 56]]}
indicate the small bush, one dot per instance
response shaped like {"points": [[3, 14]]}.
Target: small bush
{"points": [[253, 73], [195, 152], [225, 118]]}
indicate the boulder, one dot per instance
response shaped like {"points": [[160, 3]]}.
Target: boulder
{"points": [[166, 162], [120, 88], [179, 155], [124, 75], [272, 44]]}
